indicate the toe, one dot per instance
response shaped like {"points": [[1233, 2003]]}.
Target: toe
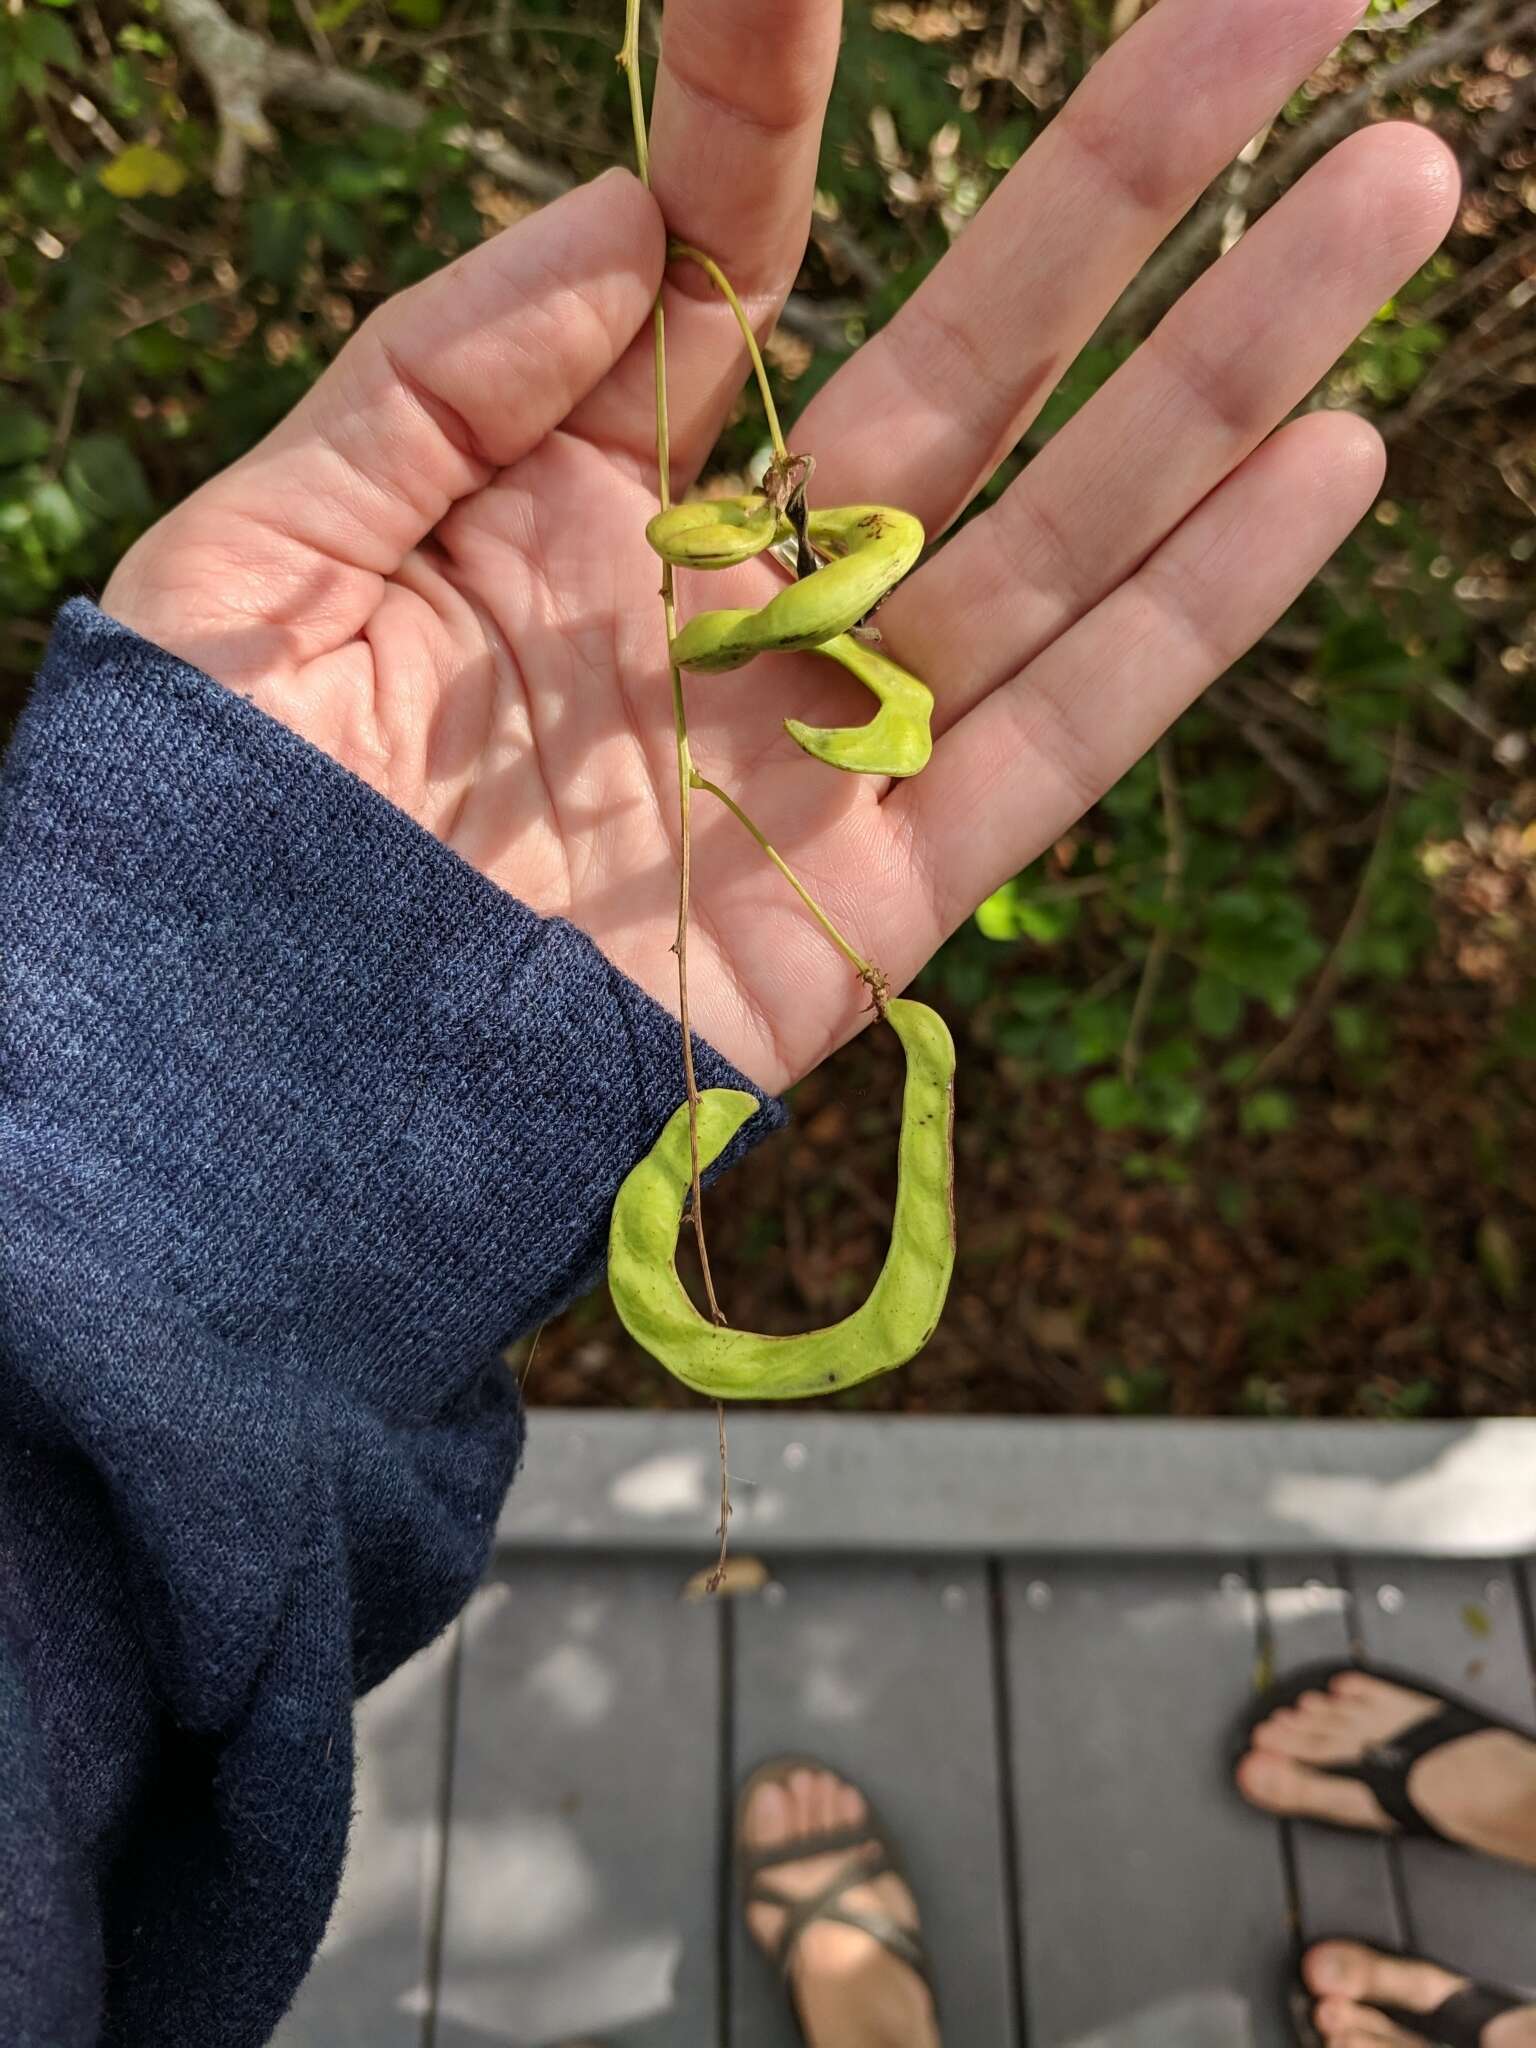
{"points": [[824, 1802], [764, 1923], [1349, 1970], [1344, 2024], [1280, 1784], [803, 1798], [767, 1819], [1312, 1735]]}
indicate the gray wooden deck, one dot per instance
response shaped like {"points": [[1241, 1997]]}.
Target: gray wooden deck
{"points": [[1031, 1643]]}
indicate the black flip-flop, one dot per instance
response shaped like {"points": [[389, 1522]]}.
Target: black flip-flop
{"points": [[1457, 2022], [1384, 1767], [868, 1853]]}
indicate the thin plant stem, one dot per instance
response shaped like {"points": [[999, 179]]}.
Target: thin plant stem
{"points": [[1318, 1002], [866, 970], [723, 285], [629, 59], [1162, 938]]}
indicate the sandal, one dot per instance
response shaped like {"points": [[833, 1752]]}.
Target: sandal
{"points": [[868, 1855], [1383, 1769], [1457, 2022]]}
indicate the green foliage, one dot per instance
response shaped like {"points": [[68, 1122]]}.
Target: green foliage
{"points": [[1264, 904], [1143, 1390], [152, 331], [1266, 1113]]}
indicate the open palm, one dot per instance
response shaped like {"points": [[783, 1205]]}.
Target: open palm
{"points": [[435, 568]]}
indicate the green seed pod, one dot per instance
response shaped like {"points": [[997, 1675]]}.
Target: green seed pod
{"points": [[904, 1305], [897, 740], [714, 533], [871, 548]]}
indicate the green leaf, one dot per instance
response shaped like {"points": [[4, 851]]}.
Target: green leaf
{"points": [[23, 436], [1140, 1391], [1098, 1030], [1174, 1057], [330, 18], [142, 169], [47, 40], [340, 229], [1039, 998], [129, 86], [1351, 1027], [459, 217], [158, 352], [1266, 1113], [278, 229], [995, 919], [1217, 1005], [105, 479], [135, 36], [55, 515], [1013, 912], [1113, 1103], [1178, 1109]]}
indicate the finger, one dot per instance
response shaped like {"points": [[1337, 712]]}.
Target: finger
{"points": [[1028, 761], [735, 134], [441, 388], [1244, 345], [926, 410]]}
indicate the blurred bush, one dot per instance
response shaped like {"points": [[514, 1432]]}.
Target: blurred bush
{"points": [[1336, 845]]}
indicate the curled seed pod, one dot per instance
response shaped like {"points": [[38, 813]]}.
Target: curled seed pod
{"points": [[870, 548], [898, 740], [867, 551], [714, 533], [904, 1305]]}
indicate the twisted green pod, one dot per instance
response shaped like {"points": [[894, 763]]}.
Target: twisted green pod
{"points": [[905, 1303], [867, 549]]}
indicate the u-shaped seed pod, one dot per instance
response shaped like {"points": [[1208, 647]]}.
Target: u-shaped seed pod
{"points": [[904, 1305], [868, 549]]}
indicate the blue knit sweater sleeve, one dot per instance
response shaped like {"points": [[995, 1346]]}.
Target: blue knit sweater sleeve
{"points": [[301, 1119]]}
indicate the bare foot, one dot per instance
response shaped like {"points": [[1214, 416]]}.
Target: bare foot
{"points": [[849, 1991], [1349, 1983], [1479, 1790]]}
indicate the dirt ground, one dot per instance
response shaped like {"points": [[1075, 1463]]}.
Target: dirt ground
{"points": [[1375, 1259]]}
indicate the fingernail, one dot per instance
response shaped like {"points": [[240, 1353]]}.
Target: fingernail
{"points": [[1327, 1969], [613, 171]]}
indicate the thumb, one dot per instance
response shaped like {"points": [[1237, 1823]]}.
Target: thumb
{"points": [[278, 559], [463, 374]]}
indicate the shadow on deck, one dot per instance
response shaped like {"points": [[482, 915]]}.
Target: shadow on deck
{"points": [[1031, 1643]]}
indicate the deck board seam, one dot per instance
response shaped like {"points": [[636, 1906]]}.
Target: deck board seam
{"points": [[1013, 1883], [1524, 1576]]}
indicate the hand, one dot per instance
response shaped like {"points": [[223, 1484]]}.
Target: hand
{"points": [[435, 568]]}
